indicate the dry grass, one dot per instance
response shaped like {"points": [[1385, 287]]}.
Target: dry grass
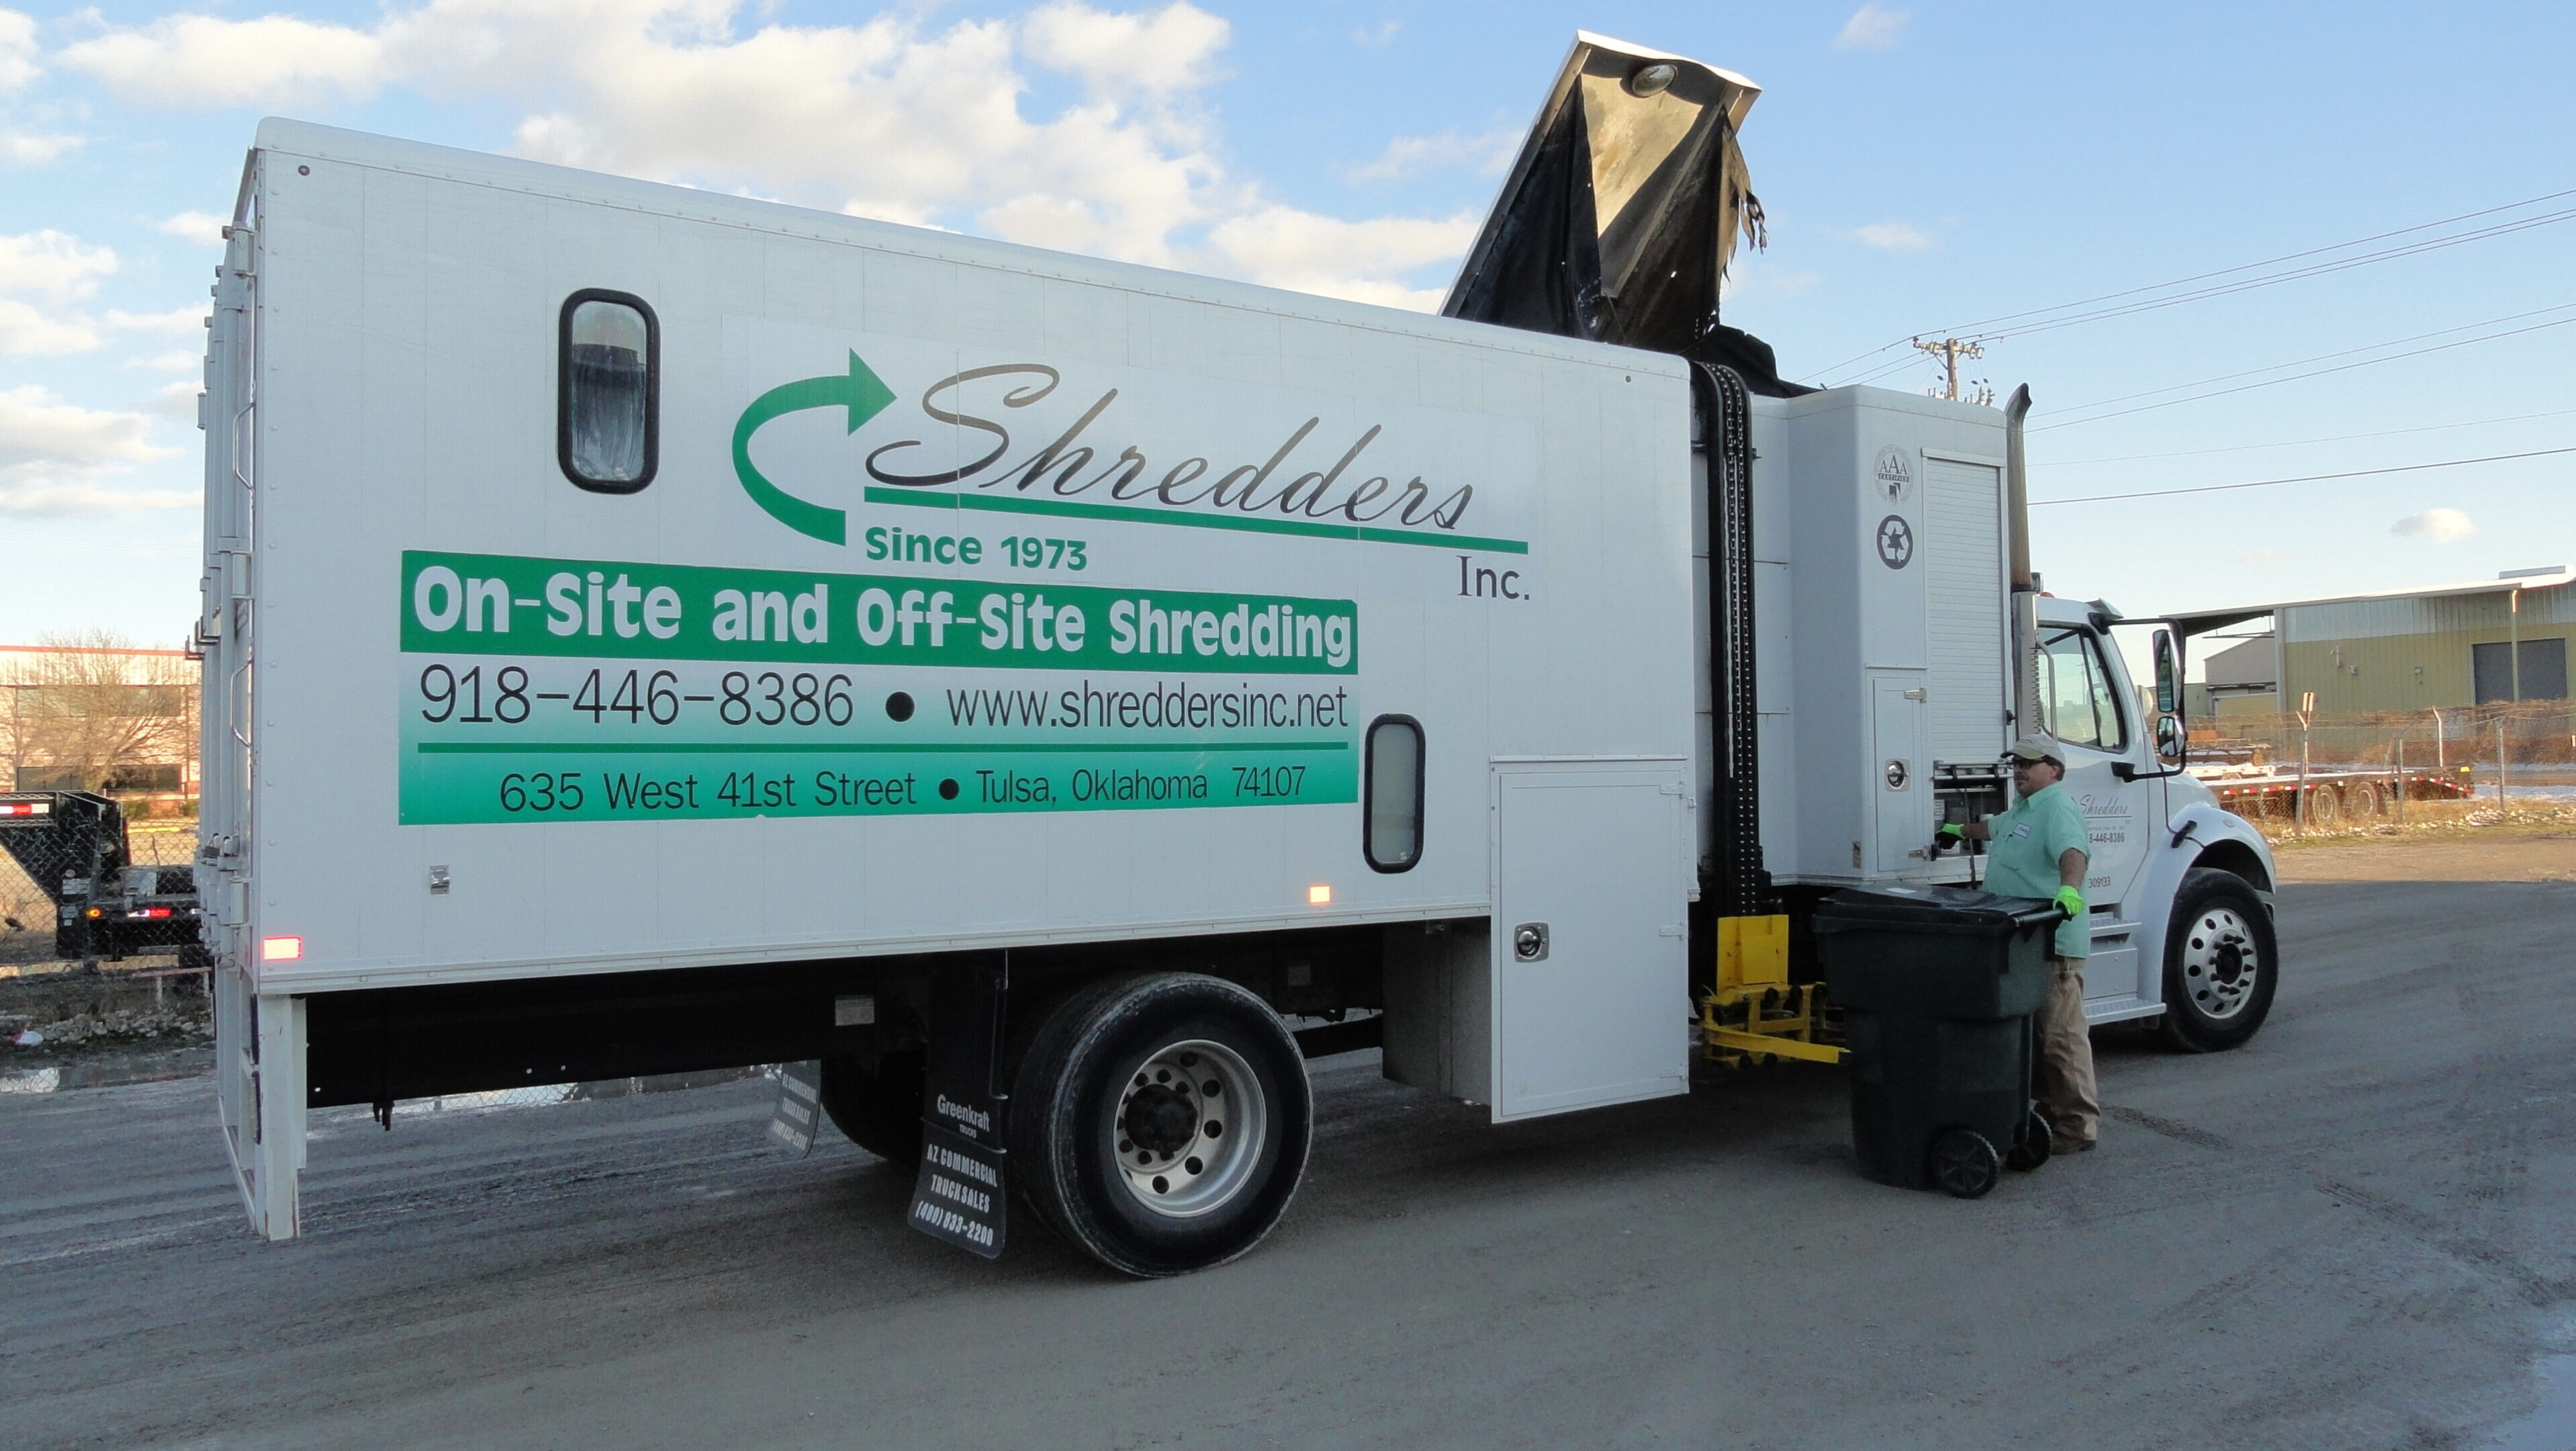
{"points": [[2434, 821]]}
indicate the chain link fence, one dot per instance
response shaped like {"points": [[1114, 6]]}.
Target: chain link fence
{"points": [[2537, 737]]}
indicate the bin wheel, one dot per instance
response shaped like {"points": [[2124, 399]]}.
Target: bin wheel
{"points": [[1964, 1164], [2031, 1149]]}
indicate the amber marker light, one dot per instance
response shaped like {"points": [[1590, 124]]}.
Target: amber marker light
{"points": [[1319, 895], [280, 949]]}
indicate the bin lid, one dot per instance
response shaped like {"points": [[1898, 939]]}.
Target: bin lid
{"points": [[1954, 908]]}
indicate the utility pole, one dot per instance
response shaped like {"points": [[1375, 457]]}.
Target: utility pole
{"points": [[1949, 351]]}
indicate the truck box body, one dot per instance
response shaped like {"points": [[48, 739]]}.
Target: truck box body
{"points": [[1490, 527]]}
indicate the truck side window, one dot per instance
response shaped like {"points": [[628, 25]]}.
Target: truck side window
{"points": [[1391, 798], [2075, 691], [607, 391]]}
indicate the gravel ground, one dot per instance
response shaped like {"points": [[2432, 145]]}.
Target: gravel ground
{"points": [[2354, 1233]]}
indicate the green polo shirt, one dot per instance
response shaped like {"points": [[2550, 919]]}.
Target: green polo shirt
{"points": [[2021, 861]]}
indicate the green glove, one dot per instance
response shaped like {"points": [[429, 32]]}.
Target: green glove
{"points": [[1948, 835], [2072, 899]]}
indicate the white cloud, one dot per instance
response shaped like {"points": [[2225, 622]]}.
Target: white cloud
{"points": [[1167, 52], [70, 498], [200, 60], [894, 117], [52, 265], [54, 457], [179, 361], [178, 322], [17, 50], [1873, 27], [1487, 153], [42, 274], [1286, 247], [32, 148], [2261, 558], [1893, 236], [176, 400], [1378, 36], [200, 227], [2439, 525]]}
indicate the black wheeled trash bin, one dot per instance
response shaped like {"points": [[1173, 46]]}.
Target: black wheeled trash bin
{"points": [[1937, 986]]}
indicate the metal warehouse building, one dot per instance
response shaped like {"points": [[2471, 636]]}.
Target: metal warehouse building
{"points": [[2502, 639]]}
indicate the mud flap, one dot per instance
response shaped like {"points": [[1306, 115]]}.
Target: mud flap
{"points": [[800, 1106], [960, 1194]]}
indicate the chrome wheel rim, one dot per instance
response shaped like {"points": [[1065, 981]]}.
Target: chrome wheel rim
{"points": [[1188, 1128], [2220, 962]]}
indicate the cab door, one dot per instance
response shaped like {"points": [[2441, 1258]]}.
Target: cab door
{"points": [[2087, 705]]}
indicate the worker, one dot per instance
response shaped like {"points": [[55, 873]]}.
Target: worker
{"points": [[2037, 850]]}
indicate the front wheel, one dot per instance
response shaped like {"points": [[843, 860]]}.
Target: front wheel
{"points": [[2221, 963], [1161, 1122]]}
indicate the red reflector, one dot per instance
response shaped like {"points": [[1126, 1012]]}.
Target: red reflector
{"points": [[150, 912], [22, 808]]}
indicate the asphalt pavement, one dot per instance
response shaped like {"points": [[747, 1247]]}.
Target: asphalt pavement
{"points": [[2353, 1233]]}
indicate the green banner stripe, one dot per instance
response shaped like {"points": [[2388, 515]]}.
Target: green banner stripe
{"points": [[1015, 504], [856, 748]]}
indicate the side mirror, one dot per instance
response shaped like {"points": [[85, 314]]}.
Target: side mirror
{"points": [[2171, 733]]}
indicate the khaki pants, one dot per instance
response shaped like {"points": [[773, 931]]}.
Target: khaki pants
{"points": [[2062, 1076]]}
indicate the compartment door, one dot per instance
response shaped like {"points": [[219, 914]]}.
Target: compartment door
{"points": [[1591, 996], [1900, 770]]}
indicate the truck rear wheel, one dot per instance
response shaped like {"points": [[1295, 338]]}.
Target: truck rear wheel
{"points": [[2221, 963], [875, 1101], [1161, 1122]]}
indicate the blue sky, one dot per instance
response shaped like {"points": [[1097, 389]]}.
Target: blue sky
{"points": [[1924, 166]]}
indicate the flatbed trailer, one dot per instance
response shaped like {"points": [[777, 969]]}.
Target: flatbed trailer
{"points": [[2335, 795]]}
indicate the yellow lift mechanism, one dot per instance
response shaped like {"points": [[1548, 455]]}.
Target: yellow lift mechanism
{"points": [[1755, 1012]]}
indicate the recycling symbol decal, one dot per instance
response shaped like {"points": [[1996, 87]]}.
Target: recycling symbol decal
{"points": [[1895, 542]]}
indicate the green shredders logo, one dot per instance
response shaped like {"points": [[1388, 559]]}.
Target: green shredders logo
{"points": [[1315, 487], [860, 392]]}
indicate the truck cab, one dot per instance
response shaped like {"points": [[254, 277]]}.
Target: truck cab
{"points": [[2180, 889]]}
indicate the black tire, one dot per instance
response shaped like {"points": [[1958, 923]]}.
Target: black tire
{"points": [[2221, 963], [1963, 1164], [1084, 1099], [2325, 809], [875, 1102]]}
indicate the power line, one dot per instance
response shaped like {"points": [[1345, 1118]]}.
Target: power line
{"points": [[2273, 261], [2319, 270], [2301, 442], [2304, 478], [2321, 357], [2317, 373], [2502, 229]]}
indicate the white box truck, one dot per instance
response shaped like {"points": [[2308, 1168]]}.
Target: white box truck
{"points": [[649, 630]]}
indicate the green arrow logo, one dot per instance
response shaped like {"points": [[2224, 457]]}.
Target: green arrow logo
{"points": [[860, 391]]}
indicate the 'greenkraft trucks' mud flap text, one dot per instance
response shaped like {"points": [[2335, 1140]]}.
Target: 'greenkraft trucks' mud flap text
{"points": [[960, 1195]]}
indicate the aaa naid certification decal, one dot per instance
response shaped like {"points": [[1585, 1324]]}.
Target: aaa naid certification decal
{"points": [[599, 690]]}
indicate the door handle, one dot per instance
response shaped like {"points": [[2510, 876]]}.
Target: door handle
{"points": [[1529, 942]]}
